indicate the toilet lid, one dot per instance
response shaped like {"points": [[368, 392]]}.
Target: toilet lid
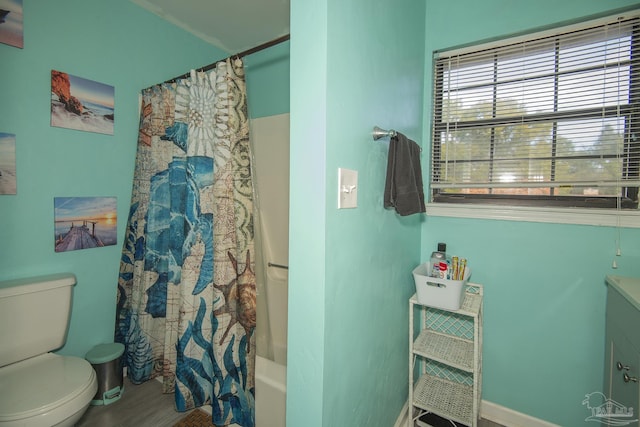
{"points": [[41, 383]]}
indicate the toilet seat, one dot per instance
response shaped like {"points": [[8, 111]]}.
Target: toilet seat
{"points": [[45, 389]]}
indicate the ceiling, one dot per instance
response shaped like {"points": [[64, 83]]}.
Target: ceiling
{"points": [[231, 25]]}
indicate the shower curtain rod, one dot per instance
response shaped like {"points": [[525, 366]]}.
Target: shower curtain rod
{"points": [[237, 55]]}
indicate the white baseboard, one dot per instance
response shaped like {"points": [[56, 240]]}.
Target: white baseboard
{"points": [[492, 412], [402, 420], [508, 417]]}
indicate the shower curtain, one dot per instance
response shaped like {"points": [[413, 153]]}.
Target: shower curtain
{"points": [[186, 306]]}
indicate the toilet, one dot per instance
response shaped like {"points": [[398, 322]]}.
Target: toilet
{"points": [[39, 388]]}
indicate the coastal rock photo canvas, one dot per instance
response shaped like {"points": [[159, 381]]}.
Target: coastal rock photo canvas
{"points": [[81, 104]]}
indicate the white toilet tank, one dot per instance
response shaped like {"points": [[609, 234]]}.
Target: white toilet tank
{"points": [[35, 315]]}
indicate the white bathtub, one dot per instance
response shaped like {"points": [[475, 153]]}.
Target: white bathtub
{"points": [[271, 393]]}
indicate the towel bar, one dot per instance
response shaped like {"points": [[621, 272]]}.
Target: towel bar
{"points": [[270, 264], [381, 133]]}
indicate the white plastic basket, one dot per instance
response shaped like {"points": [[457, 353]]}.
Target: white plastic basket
{"points": [[439, 293]]}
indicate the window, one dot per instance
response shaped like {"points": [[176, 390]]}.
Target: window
{"points": [[550, 119]]}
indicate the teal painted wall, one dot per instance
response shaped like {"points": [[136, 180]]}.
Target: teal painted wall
{"points": [[544, 283], [267, 74], [307, 214], [116, 43], [352, 67]]}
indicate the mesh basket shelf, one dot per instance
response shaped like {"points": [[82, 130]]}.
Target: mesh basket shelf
{"points": [[443, 348], [442, 396]]}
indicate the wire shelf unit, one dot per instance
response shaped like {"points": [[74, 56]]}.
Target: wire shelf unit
{"points": [[445, 367]]}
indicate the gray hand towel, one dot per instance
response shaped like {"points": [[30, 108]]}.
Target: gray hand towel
{"points": [[403, 188]]}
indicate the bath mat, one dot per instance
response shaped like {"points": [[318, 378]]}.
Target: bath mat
{"points": [[195, 418]]}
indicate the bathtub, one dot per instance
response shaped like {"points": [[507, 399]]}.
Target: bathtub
{"points": [[271, 366], [271, 388]]}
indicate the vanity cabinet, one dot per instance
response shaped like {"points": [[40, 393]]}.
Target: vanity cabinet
{"points": [[445, 359], [622, 340]]}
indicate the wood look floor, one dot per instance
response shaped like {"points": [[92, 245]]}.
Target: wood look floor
{"points": [[141, 405], [144, 405]]}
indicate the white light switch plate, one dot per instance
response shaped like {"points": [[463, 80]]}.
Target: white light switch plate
{"points": [[347, 188]]}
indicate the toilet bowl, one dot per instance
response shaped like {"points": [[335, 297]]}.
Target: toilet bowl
{"points": [[39, 388], [44, 391]]}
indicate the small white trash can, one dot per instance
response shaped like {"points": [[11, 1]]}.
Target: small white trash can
{"points": [[105, 359]]}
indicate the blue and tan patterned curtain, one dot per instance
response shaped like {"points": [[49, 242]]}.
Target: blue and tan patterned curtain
{"points": [[186, 306]]}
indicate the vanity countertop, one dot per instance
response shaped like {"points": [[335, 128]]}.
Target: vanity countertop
{"points": [[629, 287]]}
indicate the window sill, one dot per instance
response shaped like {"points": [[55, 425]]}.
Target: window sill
{"points": [[581, 216]]}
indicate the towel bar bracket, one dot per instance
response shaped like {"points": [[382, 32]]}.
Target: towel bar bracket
{"points": [[381, 133]]}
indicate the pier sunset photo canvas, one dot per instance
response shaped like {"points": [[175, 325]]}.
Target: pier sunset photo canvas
{"points": [[84, 222], [81, 104]]}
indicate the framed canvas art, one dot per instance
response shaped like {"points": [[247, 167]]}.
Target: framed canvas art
{"points": [[84, 222], [11, 27], [81, 104], [8, 181]]}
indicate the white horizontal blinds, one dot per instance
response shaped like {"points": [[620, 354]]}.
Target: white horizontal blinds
{"points": [[550, 116]]}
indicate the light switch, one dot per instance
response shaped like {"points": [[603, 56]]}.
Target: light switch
{"points": [[347, 188]]}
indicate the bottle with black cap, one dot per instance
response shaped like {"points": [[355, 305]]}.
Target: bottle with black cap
{"points": [[436, 258]]}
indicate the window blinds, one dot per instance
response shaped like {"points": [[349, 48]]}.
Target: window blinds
{"points": [[550, 117]]}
